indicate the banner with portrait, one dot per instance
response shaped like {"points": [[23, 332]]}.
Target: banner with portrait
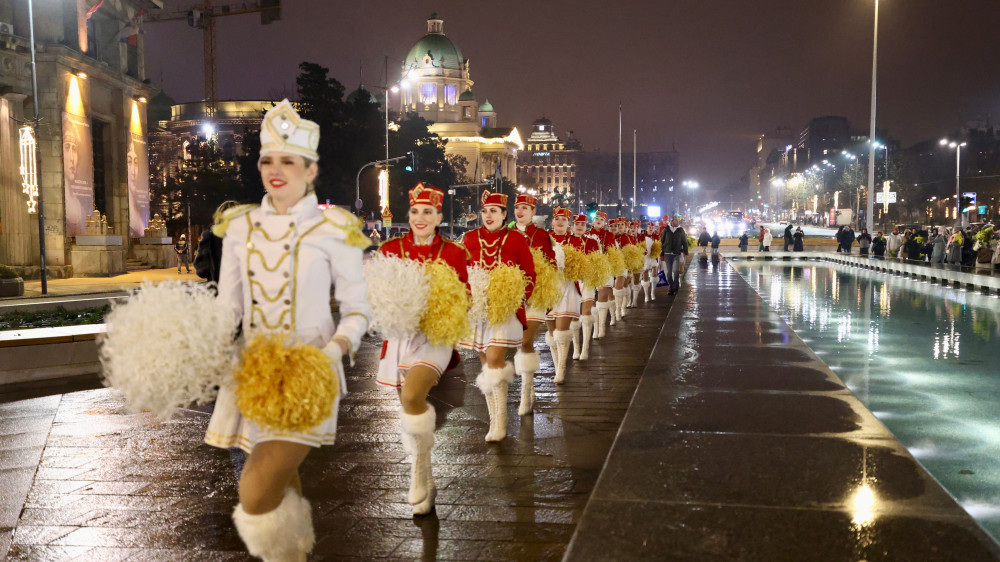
{"points": [[78, 172], [138, 185]]}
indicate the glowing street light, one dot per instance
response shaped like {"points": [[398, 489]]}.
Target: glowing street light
{"points": [[957, 147]]}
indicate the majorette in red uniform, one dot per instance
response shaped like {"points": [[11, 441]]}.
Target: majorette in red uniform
{"points": [[490, 245], [526, 359], [621, 291], [605, 239], [588, 294], [563, 319], [413, 364], [636, 238]]}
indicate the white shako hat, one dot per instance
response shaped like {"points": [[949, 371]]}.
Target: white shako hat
{"points": [[284, 131]]}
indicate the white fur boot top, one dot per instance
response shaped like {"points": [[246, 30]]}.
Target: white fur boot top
{"points": [[284, 534]]}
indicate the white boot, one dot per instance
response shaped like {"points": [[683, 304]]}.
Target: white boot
{"points": [[626, 300], [647, 288], [619, 295], [613, 306], [636, 293], [603, 309], [494, 383], [574, 328], [588, 322], [553, 348], [563, 340], [595, 321], [284, 534], [418, 438], [526, 365]]}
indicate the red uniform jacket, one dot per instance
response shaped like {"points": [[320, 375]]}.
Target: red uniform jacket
{"points": [[510, 247], [538, 238], [604, 238]]}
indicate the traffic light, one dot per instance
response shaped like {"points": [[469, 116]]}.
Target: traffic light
{"points": [[412, 166], [966, 203], [592, 210]]}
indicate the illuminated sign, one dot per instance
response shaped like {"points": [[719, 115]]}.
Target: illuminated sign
{"points": [[542, 154]]}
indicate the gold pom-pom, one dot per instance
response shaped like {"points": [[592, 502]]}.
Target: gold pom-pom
{"points": [[576, 263], [505, 293], [654, 252], [446, 319], [289, 388], [617, 261], [598, 271], [634, 257], [548, 283]]}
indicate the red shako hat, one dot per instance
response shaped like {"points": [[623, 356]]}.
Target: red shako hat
{"points": [[525, 199], [493, 199], [562, 212], [580, 218], [601, 215], [426, 195]]}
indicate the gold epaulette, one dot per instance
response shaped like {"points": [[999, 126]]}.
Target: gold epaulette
{"points": [[387, 240], [349, 224], [222, 219]]}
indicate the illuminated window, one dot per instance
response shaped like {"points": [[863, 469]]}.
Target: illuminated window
{"points": [[450, 94], [428, 94], [483, 124], [467, 112]]}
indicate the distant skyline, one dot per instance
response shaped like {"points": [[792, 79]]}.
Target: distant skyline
{"points": [[705, 76]]}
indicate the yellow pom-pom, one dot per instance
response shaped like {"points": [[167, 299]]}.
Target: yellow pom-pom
{"points": [[654, 252], [446, 319], [505, 293], [289, 388], [548, 283], [617, 261], [576, 263], [598, 270], [634, 257]]}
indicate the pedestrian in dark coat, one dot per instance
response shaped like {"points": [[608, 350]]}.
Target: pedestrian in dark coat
{"points": [[744, 242], [797, 244], [878, 245], [716, 241], [788, 236], [864, 241]]}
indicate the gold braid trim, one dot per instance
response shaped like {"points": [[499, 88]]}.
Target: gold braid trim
{"points": [[222, 219]]}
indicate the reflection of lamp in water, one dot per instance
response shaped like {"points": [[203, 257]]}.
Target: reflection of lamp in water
{"points": [[862, 506]]}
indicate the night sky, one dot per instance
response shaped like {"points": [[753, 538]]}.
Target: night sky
{"points": [[706, 76]]}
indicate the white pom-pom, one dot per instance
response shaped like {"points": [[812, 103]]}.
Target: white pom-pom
{"points": [[479, 282], [560, 256], [169, 345], [397, 291]]}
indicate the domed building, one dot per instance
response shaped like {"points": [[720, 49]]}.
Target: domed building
{"points": [[437, 86]]}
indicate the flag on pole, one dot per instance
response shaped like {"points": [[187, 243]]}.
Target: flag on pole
{"points": [[130, 33]]}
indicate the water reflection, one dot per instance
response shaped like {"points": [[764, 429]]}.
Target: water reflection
{"points": [[920, 355]]}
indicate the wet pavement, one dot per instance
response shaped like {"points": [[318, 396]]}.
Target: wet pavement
{"points": [[741, 444], [82, 479]]}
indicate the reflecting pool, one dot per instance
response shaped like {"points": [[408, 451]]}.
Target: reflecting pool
{"points": [[924, 358]]}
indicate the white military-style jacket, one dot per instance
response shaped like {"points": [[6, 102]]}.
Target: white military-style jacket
{"points": [[277, 271]]}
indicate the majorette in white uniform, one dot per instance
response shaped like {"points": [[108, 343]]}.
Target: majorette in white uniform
{"points": [[277, 271], [490, 246], [408, 363], [563, 319]]}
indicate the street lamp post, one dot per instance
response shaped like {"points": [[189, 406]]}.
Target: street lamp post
{"points": [[38, 153], [871, 135], [958, 191]]}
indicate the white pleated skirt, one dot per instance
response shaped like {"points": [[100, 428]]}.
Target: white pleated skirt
{"points": [[568, 306], [403, 354], [506, 334]]}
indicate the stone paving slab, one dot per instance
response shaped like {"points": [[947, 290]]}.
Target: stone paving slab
{"points": [[741, 444], [98, 483]]}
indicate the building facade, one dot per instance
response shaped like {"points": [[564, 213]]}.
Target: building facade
{"points": [[436, 84], [550, 161], [92, 141]]}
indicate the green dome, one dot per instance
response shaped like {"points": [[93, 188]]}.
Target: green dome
{"points": [[467, 95], [361, 93], [486, 106], [445, 53]]}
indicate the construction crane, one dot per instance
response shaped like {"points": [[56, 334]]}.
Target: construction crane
{"points": [[203, 17]]}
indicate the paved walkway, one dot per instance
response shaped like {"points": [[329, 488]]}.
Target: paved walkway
{"points": [[82, 479], [741, 444], [60, 289]]}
